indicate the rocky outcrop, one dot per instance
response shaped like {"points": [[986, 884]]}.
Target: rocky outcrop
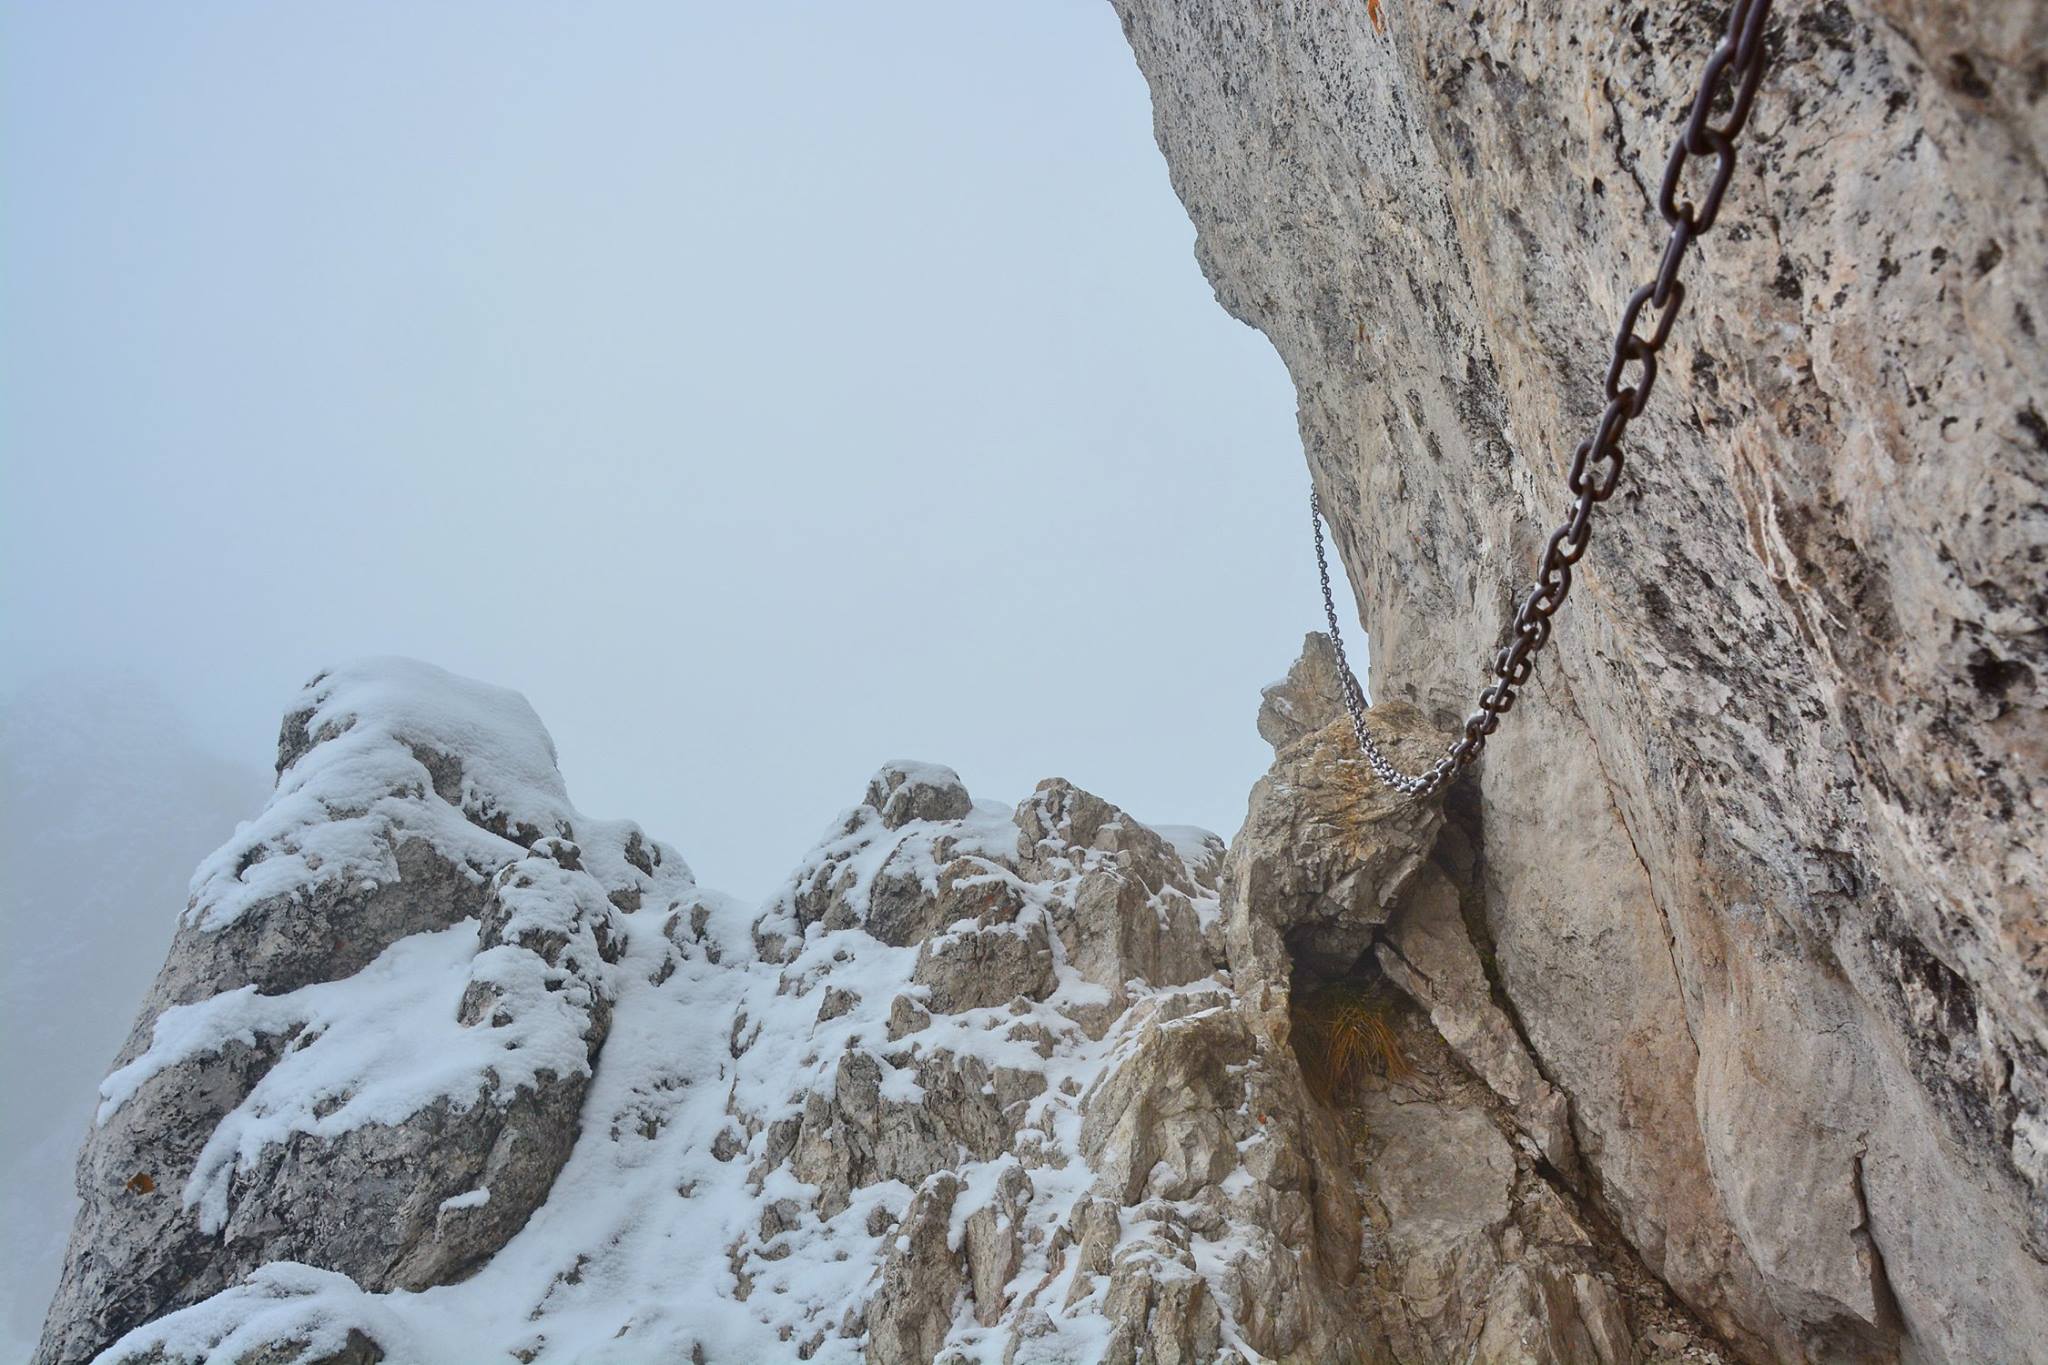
{"points": [[371, 1042], [1088, 1131], [1479, 1236], [1759, 855], [1038, 1083]]}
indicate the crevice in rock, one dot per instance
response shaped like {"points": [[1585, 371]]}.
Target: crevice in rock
{"points": [[1656, 1314], [1654, 1308], [1460, 853], [1889, 1319], [1344, 1026], [1569, 697], [1621, 149], [1421, 1128]]}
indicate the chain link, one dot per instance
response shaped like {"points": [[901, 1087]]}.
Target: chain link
{"points": [[1736, 66]]}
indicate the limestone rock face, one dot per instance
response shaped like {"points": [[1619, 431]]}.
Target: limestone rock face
{"points": [[1759, 857], [1326, 849], [1478, 1237]]}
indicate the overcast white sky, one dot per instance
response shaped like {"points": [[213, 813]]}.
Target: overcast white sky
{"points": [[767, 391]]}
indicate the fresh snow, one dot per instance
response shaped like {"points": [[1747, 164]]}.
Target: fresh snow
{"points": [[327, 820], [376, 1047], [632, 1257]]}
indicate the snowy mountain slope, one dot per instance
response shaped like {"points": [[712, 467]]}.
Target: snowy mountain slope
{"points": [[440, 1069], [319, 1026]]}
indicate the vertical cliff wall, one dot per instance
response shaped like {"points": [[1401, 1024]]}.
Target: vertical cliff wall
{"points": [[1762, 847]]}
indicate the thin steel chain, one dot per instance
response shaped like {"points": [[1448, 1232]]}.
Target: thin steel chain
{"points": [[1737, 64]]}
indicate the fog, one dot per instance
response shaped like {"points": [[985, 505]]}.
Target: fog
{"points": [[105, 805], [767, 391]]}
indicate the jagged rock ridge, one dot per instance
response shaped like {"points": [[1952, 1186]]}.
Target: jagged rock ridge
{"points": [[980, 1083]]}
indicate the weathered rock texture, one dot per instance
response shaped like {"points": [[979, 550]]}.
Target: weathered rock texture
{"points": [[1760, 854], [981, 1083]]}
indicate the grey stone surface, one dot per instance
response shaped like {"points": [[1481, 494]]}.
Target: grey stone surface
{"points": [[1762, 849], [1428, 954], [1325, 851]]}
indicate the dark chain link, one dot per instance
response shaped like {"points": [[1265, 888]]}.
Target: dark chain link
{"points": [[1737, 65]]}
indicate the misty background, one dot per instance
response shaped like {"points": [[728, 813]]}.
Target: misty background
{"points": [[766, 391]]}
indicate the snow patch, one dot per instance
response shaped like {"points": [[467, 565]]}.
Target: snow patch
{"points": [[376, 1047], [668, 1232]]}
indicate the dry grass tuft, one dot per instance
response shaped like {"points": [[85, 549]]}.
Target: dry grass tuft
{"points": [[1343, 1032]]}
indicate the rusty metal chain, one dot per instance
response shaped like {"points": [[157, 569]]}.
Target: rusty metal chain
{"points": [[1736, 65]]}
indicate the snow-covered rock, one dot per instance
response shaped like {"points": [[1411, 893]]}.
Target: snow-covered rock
{"points": [[442, 1069], [372, 1039]]}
